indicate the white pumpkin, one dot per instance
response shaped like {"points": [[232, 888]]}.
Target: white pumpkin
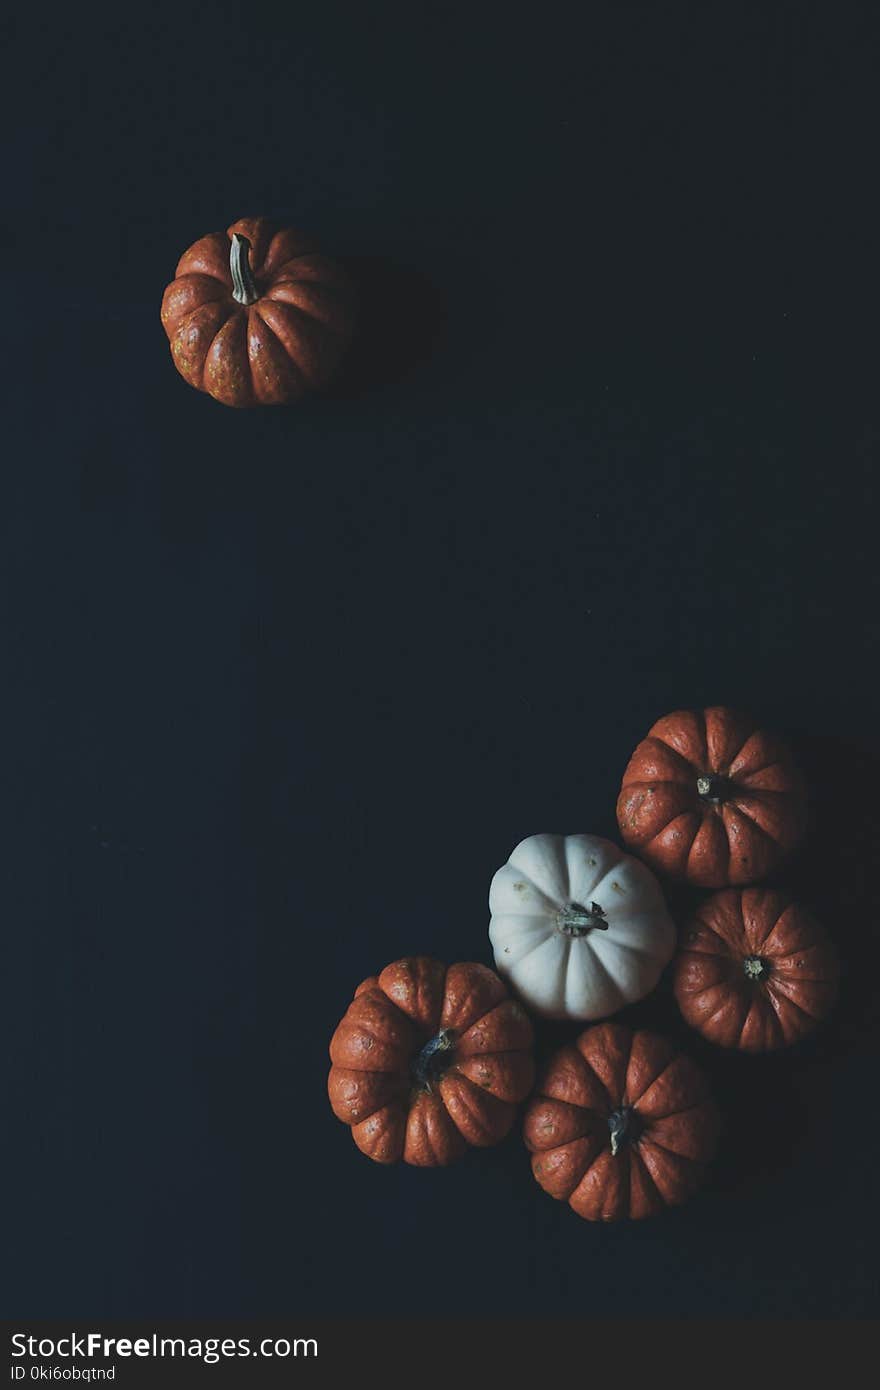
{"points": [[578, 928]]}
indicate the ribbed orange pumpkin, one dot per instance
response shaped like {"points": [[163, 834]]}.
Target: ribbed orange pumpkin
{"points": [[428, 1060], [755, 970], [621, 1125], [710, 797], [255, 316]]}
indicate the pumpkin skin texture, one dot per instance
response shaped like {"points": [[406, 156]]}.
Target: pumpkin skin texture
{"points": [[430, 1060], [255, 317], [621, 1125], [579, 929], [755, 970], [710, 798]]}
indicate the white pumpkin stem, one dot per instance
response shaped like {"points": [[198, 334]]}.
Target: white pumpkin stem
{"points": [[575, 920], [244, 286]]}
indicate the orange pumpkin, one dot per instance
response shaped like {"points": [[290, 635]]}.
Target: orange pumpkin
{"points": [[255, 317], [711, 798], [621, 1125], [755, 970], [428, 1060]]}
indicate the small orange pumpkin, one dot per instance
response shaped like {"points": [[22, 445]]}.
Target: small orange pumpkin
{"points": [[255, 317], [428, 1060], [755, 970], [621, 1125], [710, 797]]}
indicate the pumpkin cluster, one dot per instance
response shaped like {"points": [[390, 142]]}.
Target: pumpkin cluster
{"points": [[430, 1060]]}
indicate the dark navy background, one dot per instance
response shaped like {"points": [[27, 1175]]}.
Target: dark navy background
{"points": [[282, 689]]}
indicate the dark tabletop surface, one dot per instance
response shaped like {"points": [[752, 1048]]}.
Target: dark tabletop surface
{"points": [[282, 689]]}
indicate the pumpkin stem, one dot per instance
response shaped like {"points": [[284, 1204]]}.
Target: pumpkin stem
{"points": [[625, 1126], [712, 787], [575, 920], [430, 1064], [244, 286], [755, 968]]}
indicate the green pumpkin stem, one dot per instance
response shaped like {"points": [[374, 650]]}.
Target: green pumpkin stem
{"points": [[430, 1064], [244, 286], [624, 1127], [575, 920], [710, 787], [754, 968]]}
